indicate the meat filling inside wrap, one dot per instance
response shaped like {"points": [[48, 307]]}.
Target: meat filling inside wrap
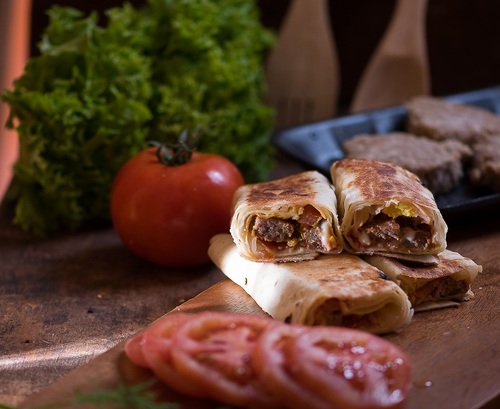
{"points": [[309, 230], [449, 279], [392, 234], [385, 209], [330, 313], [446, 288]]}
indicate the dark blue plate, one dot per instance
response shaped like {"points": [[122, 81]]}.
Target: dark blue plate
{"points": [[319, 144]]}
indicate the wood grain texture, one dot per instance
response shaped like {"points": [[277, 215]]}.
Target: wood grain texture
{"points": [[65, 300], [454, 351], [68, 303]]}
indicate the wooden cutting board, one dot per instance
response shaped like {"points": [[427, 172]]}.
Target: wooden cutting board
{"points": [[455, 351]]}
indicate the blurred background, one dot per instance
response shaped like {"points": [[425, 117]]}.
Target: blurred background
{"points": [[462, 37]]}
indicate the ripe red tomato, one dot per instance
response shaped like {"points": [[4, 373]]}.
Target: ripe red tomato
{"points": [[271, 356], [324, 367], [215, 352], [133, 349], [254, 361], [351, 369], [156, 349], [167, 214]]}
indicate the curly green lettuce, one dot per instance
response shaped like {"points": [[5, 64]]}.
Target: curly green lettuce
{"points": [[96, 94]]}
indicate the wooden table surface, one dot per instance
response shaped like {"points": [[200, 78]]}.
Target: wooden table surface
{"points": [[68, 303]]}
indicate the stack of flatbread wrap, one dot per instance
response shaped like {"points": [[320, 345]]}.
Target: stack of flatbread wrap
{"points": [[363, 250]]}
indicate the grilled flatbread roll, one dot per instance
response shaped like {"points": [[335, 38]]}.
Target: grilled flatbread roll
{"points": [[449, 279], [385, 210], [336, 289], [289, 219]]}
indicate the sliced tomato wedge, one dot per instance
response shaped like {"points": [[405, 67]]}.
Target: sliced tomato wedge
{"points": [[215, 350], [157, 351], [253, 361], [133, 350], [351, 369], [272, 362]]}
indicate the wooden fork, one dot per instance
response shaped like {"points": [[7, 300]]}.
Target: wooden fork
{"points": [[302, 70], [398, 69]]}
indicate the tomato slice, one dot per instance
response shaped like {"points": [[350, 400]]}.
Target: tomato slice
{"points": [[215, 350], [351, 369], [272, 362], [157, 351], [133, 350]]}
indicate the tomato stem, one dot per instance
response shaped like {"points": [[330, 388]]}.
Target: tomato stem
{"points": [[180, 152]]}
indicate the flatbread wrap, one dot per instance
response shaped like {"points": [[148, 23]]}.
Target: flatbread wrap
{"points": [[384, 209], [449, 280], [336, 289], [289, 219]]}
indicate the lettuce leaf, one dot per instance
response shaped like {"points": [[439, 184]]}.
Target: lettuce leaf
{"points": [[96, 94]]}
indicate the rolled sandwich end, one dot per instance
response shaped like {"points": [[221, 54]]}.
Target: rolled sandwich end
{"points": [[448, 280], [384, 208], [386, 316], [338, 289], [289, 219]]}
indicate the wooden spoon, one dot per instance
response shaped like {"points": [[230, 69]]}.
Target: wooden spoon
{"points": [[302, 70], [399, 69]]}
